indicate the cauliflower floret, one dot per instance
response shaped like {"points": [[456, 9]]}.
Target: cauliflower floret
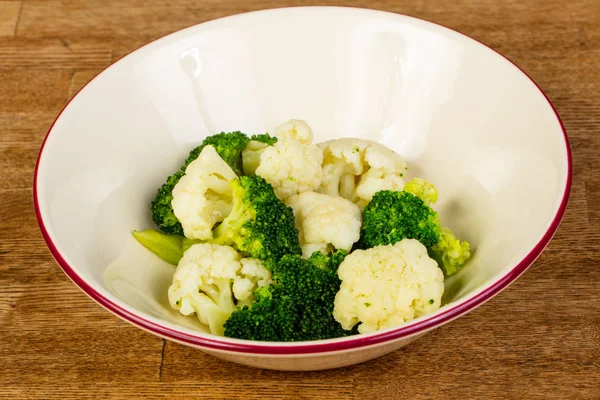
{"points": [[202, 284], [293, 164], [356, 169], [386, 286], [205, 280], [202, 197], [325, 221], [342, 162], [253, 275], [295, 129]]}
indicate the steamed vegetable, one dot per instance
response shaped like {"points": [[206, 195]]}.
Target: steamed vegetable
{"points": [[259, 224], [276, 238], [386, 286], [203, 283], [450, 252], [298, 306], [293, 164], [423, 190], [202, 197], [356, 169], [169, 248], [325, 223], [229, 147], [392, 216]]}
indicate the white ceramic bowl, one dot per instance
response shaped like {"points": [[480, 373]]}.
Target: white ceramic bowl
{"points": [[463, 116]]}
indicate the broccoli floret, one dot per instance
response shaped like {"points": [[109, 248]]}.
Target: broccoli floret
{"points": [[450, 252], [422, 189], [328, 262], [229, 146], [252, 152], [392, 216], [264, 138], [162, 210], [259, 224], [298, 307], [267, 319]]}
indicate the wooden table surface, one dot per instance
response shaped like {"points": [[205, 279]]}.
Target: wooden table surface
{"points": [[540, 338]]}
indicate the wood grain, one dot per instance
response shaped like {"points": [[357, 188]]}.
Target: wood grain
{"points": [[539, 339], [9, 16], [55, 53], [33, 90]]}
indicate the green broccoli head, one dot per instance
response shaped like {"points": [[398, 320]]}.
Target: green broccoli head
{"points": [[259, 224], [298, 307], [329, 262], [422, 189], [228, 145], [450, 252], [264, 138], [252, 152], [162, 210], [392, 216], [270, 318]]}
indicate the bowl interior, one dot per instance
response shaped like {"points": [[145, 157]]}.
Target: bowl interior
{"points": [[461, 115]]}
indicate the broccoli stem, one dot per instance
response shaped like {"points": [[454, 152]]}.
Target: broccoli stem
{"points": [[226, 233], [169, 248]]}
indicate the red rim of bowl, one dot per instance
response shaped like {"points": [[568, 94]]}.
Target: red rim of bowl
{"points": [[314, 347]]}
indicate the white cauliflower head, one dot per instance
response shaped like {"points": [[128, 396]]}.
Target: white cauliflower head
{"points": [[205, 280], [293, 164], [386, 286], [356, 169], [202, 197], [295, 129], [325, 221]]}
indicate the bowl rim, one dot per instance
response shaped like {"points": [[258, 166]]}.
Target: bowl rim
{"points": [[310, 347]]}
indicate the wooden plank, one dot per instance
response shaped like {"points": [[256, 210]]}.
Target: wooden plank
{"points": [[9, 16], [185, 364], [593, 201], [106, 18], [81, 352], [24, 127], [17, 163], [80, 17], [33, 91], [18, 218], [187, 390], [53, 53]]}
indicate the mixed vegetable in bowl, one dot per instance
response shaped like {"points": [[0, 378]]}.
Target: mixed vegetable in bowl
{"points": [[276, 238]]}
